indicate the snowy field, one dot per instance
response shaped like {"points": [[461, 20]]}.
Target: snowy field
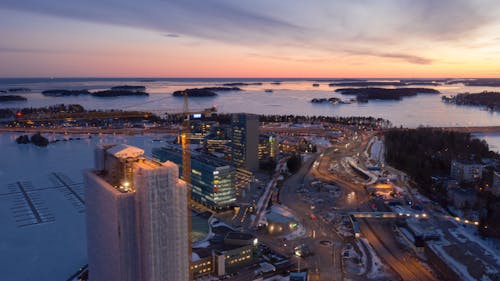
{"points": [[42, 212]]}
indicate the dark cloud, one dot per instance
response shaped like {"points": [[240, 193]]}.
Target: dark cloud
{"points": [[322, 25]]}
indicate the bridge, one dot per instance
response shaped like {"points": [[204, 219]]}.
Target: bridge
{"points": [[376, 215]]}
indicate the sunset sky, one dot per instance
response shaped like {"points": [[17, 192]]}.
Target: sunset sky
{"points": [[258, 38]]}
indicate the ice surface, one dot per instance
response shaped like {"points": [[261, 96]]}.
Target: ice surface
{"points": [[55, 248]]}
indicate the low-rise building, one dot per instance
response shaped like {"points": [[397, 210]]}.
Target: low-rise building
{"points": [[202, 262], [467, 171]]}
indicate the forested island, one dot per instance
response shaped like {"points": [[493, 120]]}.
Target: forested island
{"points": [[490, 100], [203, 92], [129, 88], [19, 90], [384, 83], [7, 98], [118, 93], [365, 94], [63, 93], [242, 84], [480, 82], [106, 93], [324, 100], [37, 139]]}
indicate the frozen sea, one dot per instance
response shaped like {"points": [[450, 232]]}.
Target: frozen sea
{"points": [[42, 215], [292, 96]]}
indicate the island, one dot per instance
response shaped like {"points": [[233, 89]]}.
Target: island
{"points": [[276, 83], [242, 84], [315, 85], [222, 89], [479, 82], [19, 90], [204, 92], [129, 88], [37, 139], [195, 93], [12, 98], [117, 93], [365, 94], [324, 100], [490, 100], [63, 93], [384, 83], [365, 84]]}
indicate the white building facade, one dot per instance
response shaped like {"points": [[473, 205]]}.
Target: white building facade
{"points": [[137, 218]]}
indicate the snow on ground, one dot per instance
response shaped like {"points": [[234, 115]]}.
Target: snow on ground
{"points": [[458, 267], [489, 246], [283, 211], [363, 257], [377, 150], [377, 267], [299, 232], [201, 244]]}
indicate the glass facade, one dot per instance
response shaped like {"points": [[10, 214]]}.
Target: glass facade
{"points": [[212, 179]]}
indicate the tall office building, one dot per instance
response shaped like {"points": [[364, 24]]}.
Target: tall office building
{"points": [[137, 220], [245, 140], [212, 179]]}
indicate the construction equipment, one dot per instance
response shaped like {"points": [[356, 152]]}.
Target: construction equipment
{"points": [[186, 163]]}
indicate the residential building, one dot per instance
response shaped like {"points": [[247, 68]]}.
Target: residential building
{"points": [[467, 171], [245, 140], [212, 179], [136, 214], [495, 187]]}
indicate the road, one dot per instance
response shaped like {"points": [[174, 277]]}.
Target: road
{"points": [[378, 233], [326, 263]]}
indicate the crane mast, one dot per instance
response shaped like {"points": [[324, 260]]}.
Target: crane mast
{"points": [[186, 174]]}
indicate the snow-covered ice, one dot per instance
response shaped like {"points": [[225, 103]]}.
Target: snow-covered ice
{"points": [[55, 249]]}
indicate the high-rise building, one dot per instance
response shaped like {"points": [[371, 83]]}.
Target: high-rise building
{"points": [[245, 140], [137, 220], [212, 179]]}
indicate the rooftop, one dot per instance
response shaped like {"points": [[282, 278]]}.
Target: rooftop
{"points": [[125, 151], [204, 158]]}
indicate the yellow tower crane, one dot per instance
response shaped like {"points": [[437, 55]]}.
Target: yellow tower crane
{"points": [[186, 164]]}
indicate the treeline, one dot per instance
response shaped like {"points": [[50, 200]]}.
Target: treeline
{"points": [[370, 122], [489, 99], [57, 108], [354, 120], [426, 152]]}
